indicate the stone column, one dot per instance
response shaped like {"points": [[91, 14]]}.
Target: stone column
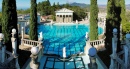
{"points": [[56, 18], [70, 18], [60, 18], [65, 19], [3, 48]]}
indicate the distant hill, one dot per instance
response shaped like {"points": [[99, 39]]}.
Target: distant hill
{"points": [[83, 5], [102, 7], [128, 6]]}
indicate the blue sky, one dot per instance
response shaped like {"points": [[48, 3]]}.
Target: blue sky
{"points": [[26, 3]]}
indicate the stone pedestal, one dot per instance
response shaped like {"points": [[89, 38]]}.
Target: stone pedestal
{"points": [[33, 63]]}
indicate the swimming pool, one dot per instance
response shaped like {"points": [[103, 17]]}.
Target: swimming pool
{"points": [[70, 36]]}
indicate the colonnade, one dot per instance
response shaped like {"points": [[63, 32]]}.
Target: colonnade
{"points": [[64, 18]]}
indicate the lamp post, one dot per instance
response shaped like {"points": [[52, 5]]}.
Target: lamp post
{"points": [[92, 54], [33, 63], [14, 48], [14, 42], [3, 47]]}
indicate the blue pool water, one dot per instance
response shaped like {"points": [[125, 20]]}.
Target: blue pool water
{"points": [[70, 36]]}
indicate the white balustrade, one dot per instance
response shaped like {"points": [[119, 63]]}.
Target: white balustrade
{"points": [[30, 43], [96, 42]]}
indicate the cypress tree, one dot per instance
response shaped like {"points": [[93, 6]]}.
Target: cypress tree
{"points": [[6, 20], [93, 20], [33, 21], [9, 21], [48, 3], [124, 21], [123, 11], [117, 21], [112, 21]]}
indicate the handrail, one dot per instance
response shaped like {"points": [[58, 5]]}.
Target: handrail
{"points": [[9, 58]]}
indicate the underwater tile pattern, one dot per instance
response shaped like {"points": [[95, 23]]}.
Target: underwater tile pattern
{"points": [[70, 36]]}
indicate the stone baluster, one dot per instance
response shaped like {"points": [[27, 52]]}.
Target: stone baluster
{"points": [[92, 55], [3, 48], [34, 64], [128, 46], [14, 48], [114, 48]]}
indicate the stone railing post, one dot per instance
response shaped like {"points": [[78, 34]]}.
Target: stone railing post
{"points": [[14, 48], [3, 48], [114, 48], [34, 64], [22, 43], [128, 46], [92, 55]]}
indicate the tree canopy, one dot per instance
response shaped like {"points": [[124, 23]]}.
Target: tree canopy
{"points": [[46, 9]]}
